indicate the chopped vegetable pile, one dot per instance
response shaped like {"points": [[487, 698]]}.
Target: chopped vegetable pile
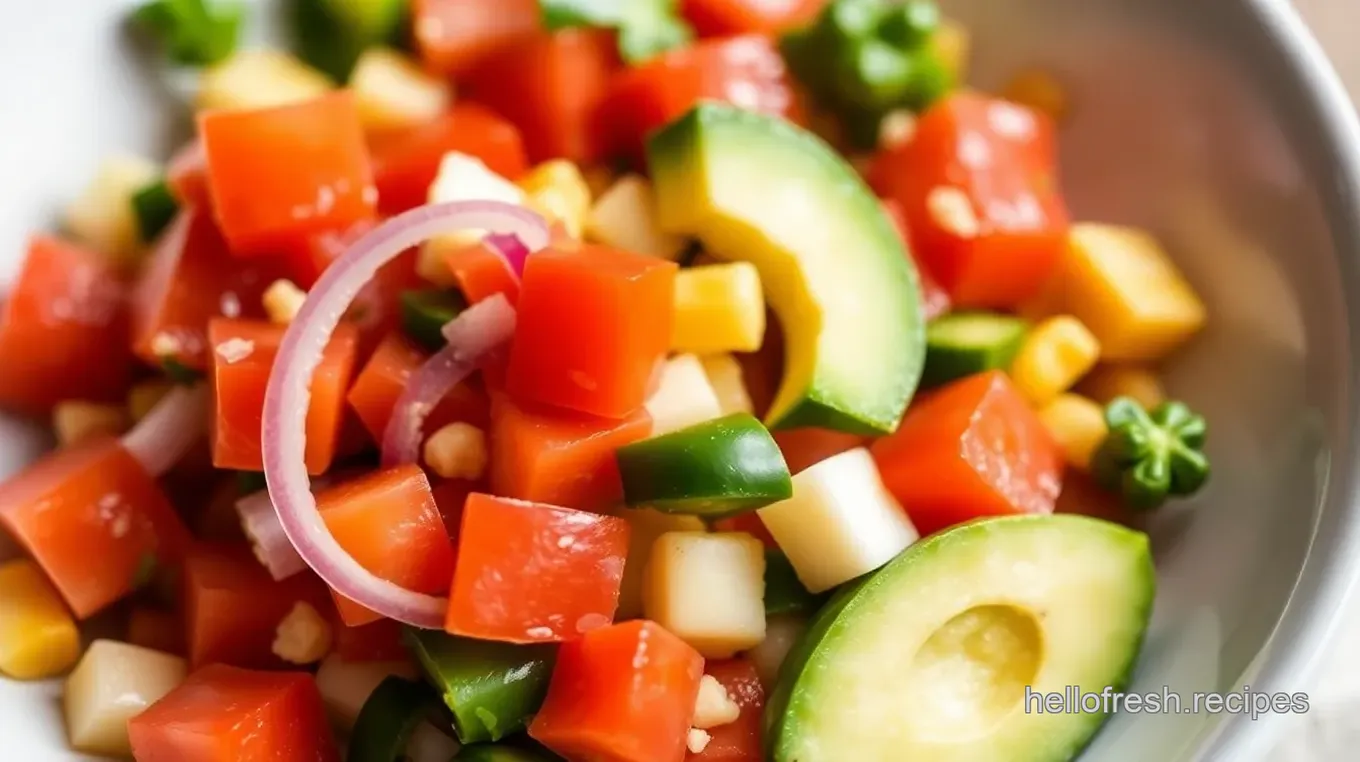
{"points": [[588, 380]]}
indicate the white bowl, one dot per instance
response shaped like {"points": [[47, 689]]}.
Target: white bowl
{"points": [[1216, 124]]}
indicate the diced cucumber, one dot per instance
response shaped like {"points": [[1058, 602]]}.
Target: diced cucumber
{"points": [[964, 343]]}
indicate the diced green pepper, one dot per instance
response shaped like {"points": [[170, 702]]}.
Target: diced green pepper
{"points": [[425, 313], [180, 373], [962, 344], [193, 32], [910, 24], [714, 469], [646, 27], [784, 594], [331, 35], [387, 720], [491, 688], [250, 482], [1148, 457], [155, 207]]}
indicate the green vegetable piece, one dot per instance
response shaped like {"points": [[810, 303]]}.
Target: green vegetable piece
{"points": [[425, 313], [1149, 457], [332, 34], [250, 482], [910, 24], [155, 207], [714, 469], [931, 80], [180, 373], [874, 74], [784, 593], [964, 343], [500, 753], [387, 720], [646, 28], [491, 688], [192, 32], [564, 14], [851, 20]]}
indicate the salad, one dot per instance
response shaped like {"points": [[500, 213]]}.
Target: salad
{"points": [[593, 380]]}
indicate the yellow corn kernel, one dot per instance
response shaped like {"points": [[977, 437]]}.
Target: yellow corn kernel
{"points": [[282, 300], [718, 308], [713, 706], [457, 451], [557, 190], [255, 79], [1122, 285], [953, 46], [724, 375], [1057, 353], [391, 91], [1109, 381], [103, 218], [75, 421], [625, 217], [303, 636], [144, 396], [1077, 425], [38, 637], [1038, 90]]}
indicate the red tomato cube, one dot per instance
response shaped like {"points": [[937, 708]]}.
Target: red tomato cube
{"points": [[593, 324], [225, 714], [279, 174], [453, 36], [623, 693], [95, 521], [720, 18], [187, 176], [739, 740], [242, 353], [530, 573], [482, 273], [379, 641], [318, 251], [970, 449], [978, 184], [63, 330], [388, 522], [384, 377]]}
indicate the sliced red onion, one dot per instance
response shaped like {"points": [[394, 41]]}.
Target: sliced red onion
{"points": [[261, 524], [173, 426], [287, 396], [477, 330], [511, 249]]}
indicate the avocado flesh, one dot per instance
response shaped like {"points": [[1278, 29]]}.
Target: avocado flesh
{"points": [[929, 658], [753, 187]]}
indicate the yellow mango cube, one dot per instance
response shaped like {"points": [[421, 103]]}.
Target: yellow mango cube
{"points": [[1077, 425], [1055, 355], [113, 683], [625, 217], [1109, 381], [718, 308], [254, 79], [1122, 285], [391, 91], [38, 637], [708, 589], [645, 526]]}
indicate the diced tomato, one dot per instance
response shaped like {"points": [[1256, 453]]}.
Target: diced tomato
{"points": [[621, 694], [556, 457], [191, 279], [95, 521], [934, 299], [233, 608], [809, 446], [978, 183], [453, 36], [280, 174], [384, 378], [406, 162], [63, 330], [379, 641], [551, 85], [744, 71], [739, 740], [389, 523], [225, 714], [482, 273], [749, 523], [530, 573], [158, 630], [592, 325], [242, 357], [717, 18], [450, 496], [187, 176], [972, 448], [317, 251]]}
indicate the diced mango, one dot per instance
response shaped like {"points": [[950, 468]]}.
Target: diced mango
{"points": [[1056, 353], [114, 682], [38, 637], [708, 589], [1077, 425], [724, 375], [1122, 285], [103, 216], [718, 308], [392, 91], [254, 79], [683, 398], [645, 526], [1039, 90], [1109, 381], [625, 217], [557, 190]]}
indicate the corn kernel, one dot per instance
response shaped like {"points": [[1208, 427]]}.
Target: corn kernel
{"points": [[724, 375], [303, 637], [75, 421], [697, 740], [392, 91], [255, 79], [103, 217], [457, 451], [1038, 90], [1057, 353], [625, 217], [712, 706], [143, 397], [1109, 381], [282, 300], [1077, 425], [953, 46], [718, 308], [38, 637]]}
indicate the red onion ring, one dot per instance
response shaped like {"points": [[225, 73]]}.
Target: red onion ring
{"points": [[261, 524], [287, 396], [173, 426], [511, 249], [477, 330]]}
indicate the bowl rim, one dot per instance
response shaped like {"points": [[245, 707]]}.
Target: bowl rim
{"points": [[1296, 648]]}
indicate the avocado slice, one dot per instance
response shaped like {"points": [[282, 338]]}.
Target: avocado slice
{"points": [[929, 658], [753, 187]]}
